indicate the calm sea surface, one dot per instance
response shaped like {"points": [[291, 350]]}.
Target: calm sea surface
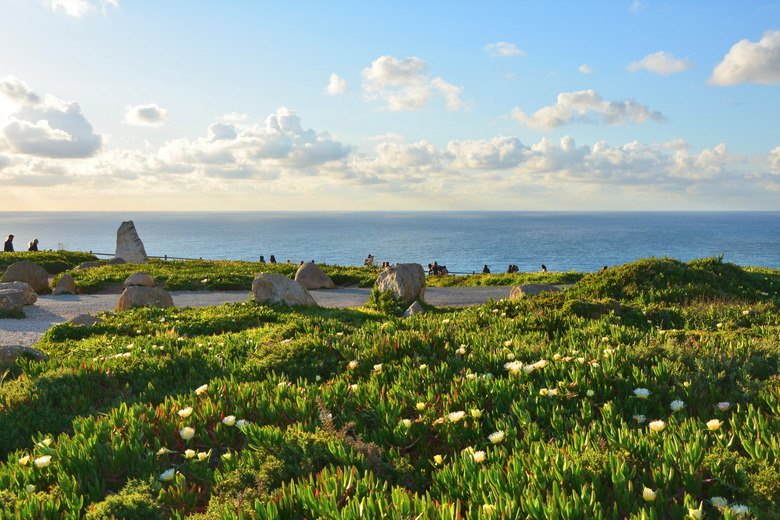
{"points": [[463, 241]]}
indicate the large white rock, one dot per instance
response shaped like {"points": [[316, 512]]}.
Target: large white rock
{"points": [[406, 281], [531, 289], [28, 272], [141, 296], [311, 276], [15, 295], [9, 354], [129, 246], [275, 288]]}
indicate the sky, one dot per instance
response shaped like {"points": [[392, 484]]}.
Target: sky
{"points": [[194, 105]]}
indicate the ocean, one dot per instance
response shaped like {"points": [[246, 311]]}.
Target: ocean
{"points": [[463, 241]]}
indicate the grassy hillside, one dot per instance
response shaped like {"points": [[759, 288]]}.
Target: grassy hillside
{"points": [[645, 391]]}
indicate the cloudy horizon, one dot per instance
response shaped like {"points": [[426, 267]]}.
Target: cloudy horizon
{"points": [[112, 105]]}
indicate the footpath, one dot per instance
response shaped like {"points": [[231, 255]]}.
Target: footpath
{"points": [[50, 310]]}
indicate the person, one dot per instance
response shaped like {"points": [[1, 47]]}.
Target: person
{"points": [[485, 269], [544, 268], [435, 268], [273, 259], [262, 259], [9, 244], [33, 246], [369, 259]]}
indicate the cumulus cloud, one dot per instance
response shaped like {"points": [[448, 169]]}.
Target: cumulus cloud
{"points": [[45, 126], [78, 8], [660, 62], [504, 49], [336, 86], [235, 116], [585, 106], [406, 85], [750, 62], [585, 69], [146, 115]]}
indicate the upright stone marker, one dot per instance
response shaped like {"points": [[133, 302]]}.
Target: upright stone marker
{"points": [[129, 246]]}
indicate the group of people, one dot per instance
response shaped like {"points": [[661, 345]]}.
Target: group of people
{"points": [[9, 244], [437, 270]]}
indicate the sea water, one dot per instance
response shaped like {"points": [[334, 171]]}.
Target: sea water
{"points": [[463, 241]]}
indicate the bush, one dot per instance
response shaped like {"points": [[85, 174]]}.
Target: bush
{"points": [[134, 502]]}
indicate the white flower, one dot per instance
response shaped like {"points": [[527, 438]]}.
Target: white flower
{"points": [[229, 420], [677, 405], [240, 423], [640, 418], [648, 494], [227, 455], [642, 393], [581, 360], [407, 422], [201, 389], [479, 456], [353, 363], [476, 413], [30, 488], [163, 451], [508, 343], [423, 366], [529, 368], [471, 375], [514, 366], [719, 502], [187, 433], [204, 455], [488, 509], [556, 357], [496, 437], [714, 424], [695, 514], [378, 367], [353, 386], [445, 321], [185, 412], [541, 363], [740, 510], [456, 416], [590, 393], [420, 406], [24, 460], [460, 351], [44, 443], [438, 459], [188, 454], [657, 426], [42, 462], [552, 392], [724, 405], [167, 476]]}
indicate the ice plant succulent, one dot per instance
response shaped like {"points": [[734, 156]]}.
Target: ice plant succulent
{"points": [[657, 426], [42, 462], [642, 393], [723, 406], [201, 389], [478, 456], [496, 437], [456, 416], [677, 405], [714, 424], [168, 475], [229, 420], [648, 494], [187, 433], [185, 412]]}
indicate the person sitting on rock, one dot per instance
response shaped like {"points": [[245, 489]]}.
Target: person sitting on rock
{"points": [[9, 244], [33, 246]]}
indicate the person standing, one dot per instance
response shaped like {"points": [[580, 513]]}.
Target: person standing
{"points": [[9, 244], [33, 246]]}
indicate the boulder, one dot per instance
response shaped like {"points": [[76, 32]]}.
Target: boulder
{"points": [[129, 246], [116, 261], [85, 320], [413, 309], [15, 295], [140, 296], [275, 288], [311, 276], [65, 285], [531, 289], [140, 279], [86, 265], [9, 354], [406, 281], [29, 272]]}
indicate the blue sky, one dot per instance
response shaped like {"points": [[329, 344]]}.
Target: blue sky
{"points": [[196, 105]]}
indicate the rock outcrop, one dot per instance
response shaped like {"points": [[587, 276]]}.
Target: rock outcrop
{"points": [[66, 284], [8, 355], [15, 295], [531, 289], [117, 261], [141, 296], [86, 265], [28, 272], [129, 246], [86, 320], [274, 288], [413, 309], [406, 281], [140, 279], [311, 276]]}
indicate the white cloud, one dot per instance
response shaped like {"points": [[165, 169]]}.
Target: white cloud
{"points": [[336, 86], [45, 126], [78, 8], [504, 49], [774, 161], [499, 153], [585, 69], [146, 115], [235, 116], [406, 85], [750, 62], [637, 6], [580, 106], [660, 62], [390, 136]]}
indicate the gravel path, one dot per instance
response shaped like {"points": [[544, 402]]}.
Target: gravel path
{"points": [[50, 310]]}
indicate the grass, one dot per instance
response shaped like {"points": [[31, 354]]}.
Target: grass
{"points": [[524, 409]]}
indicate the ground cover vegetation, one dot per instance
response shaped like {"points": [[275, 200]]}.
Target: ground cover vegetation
{"points": [[54, 262], [650, 390]]}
